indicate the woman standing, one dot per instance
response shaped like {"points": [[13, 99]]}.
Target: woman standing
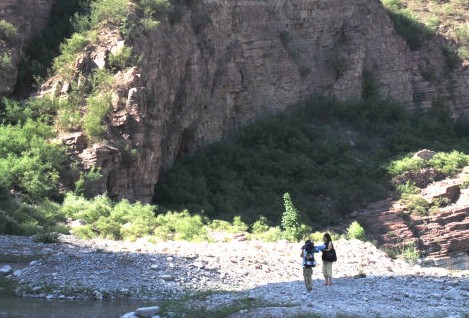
{"points": [[326, 261]]}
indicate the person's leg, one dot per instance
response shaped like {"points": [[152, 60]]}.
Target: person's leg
{"points": [[328, 272], [307, 274], [324, 272]]}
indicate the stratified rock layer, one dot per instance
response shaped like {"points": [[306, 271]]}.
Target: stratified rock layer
{"points": [[29, 17]]}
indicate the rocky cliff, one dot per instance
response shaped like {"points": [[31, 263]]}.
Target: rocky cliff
{"points": [[29, 17], [441, 237], [222, 64], [218, 65]]}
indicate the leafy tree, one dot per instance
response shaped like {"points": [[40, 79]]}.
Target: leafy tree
{"points": [[291, 222]]}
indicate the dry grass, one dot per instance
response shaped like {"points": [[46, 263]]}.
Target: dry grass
{"points": [[447, 18]]}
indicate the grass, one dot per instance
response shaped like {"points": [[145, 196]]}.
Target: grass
{"points": [[8, 32], [196, 305], [7, 287]]}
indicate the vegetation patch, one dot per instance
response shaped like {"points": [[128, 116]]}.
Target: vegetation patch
{"points": [[331, 157], [7, 287], [8, 32], [195, 303]]}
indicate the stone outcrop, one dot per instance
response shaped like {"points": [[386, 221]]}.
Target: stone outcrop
{"points": [[442, 237], [29, 17]]}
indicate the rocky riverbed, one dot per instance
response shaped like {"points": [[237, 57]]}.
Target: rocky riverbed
{"points": [[367, 282]]}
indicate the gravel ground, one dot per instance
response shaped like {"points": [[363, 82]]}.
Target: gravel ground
{"points": [[367, 282]]}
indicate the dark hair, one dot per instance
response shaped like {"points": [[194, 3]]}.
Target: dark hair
{"points": [[328, 237], [308, 246]]}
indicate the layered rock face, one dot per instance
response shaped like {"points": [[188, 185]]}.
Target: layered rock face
{"points": [[29, 17], [219, 65], [441, 237]]}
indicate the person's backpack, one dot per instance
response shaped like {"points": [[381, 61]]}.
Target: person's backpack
{"points": [[308, 258]]}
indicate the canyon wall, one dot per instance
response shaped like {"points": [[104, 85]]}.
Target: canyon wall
{"points": [[222, 64], [217, 65], [29, 17]]}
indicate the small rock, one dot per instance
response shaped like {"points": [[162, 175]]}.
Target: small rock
{"points": [[6, 270], [166, 277], [97, 295], [452, 294], [147, 312]]}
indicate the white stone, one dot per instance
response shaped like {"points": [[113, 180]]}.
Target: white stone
{"points": [[97, 295], [147, 312], [166, 277], [6, 269]]}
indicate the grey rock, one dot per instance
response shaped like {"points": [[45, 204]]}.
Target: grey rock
{"points": [[147, 312], [6, 269]]}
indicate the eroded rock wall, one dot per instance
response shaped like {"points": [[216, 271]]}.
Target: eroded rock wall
{"points": [[29, 17], [222, 64]]}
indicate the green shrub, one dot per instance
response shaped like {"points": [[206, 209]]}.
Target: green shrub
{"points": [[180, 226], [271, 234], [152, 7], [8, 31], [407, 188], [416, 204], [108, 219], [79, 208], [120, 59], [238, 225], [260, 226], [393, 4], [433, 23], [356, 231], [449, 163], [29, 163], [410, 254], [85, 183], [18, 218], [64, 63], [49, 237], [104, 11], [98, 107], [463, 53], [135, 219], [5, 62], [16, 112], [406, 164]]}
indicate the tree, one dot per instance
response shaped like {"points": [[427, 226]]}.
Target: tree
{"points": [[291, 222]]}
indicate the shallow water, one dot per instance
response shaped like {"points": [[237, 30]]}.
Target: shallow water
{"points": [[42, 308]]}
